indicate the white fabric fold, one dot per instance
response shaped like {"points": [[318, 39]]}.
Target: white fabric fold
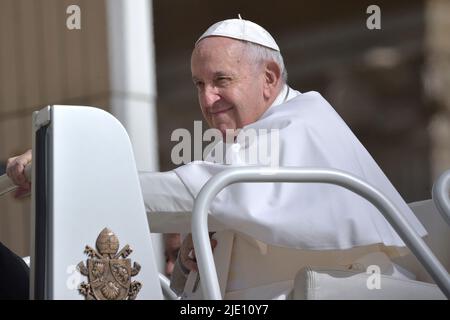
{"points": [[307, 216]]}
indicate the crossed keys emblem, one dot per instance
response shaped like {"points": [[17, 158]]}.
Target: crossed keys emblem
{"points": [[109, 273]]}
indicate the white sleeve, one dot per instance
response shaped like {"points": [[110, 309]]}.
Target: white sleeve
{"points": [[165, 192], [167, 201]]}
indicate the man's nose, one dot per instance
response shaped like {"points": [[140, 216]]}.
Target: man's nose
{"points": [[210, 96]]}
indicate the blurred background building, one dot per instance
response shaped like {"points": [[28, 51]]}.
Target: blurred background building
{"points": [[391, 86]]}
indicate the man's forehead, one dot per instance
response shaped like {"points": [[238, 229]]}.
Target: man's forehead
{"points": [[219, 51], [218, 56], [217, 42]]}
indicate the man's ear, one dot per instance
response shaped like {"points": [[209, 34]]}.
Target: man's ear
{"points": [[272, 78]]}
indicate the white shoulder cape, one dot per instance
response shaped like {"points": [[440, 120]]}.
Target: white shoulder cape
{"points": [[305, 216]]}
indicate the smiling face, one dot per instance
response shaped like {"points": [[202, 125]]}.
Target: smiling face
{"points": [[233, 90]]}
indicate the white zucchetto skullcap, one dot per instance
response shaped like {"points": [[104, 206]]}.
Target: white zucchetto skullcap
{"points": [[242, 30]]}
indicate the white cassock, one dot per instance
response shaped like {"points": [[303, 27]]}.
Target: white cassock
{"points": [[332, 225]]}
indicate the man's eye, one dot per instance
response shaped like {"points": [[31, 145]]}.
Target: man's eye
{"points": [[223, 80]]}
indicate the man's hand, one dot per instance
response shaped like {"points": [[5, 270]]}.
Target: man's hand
{"points": [[15, 169], [172, 245], [187, 254]]}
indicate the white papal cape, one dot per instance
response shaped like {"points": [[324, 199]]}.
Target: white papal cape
{"points": [[313, 217], [307, 216]]}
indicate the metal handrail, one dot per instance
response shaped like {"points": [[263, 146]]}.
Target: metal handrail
{"points": [[441, 195], [207, 268]]}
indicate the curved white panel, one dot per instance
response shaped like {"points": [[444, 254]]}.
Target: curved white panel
{"points": [[94, 184]]}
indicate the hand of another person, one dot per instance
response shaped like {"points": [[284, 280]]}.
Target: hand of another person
{"points": [[187, 254], [172, 245], [15, 169]]}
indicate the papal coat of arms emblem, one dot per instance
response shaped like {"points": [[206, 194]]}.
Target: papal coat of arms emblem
{"points": [[109, 277]]}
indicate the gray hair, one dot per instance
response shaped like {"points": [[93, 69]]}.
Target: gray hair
{"points": [[262, 54]]}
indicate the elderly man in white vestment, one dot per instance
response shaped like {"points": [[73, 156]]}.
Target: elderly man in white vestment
{"points": [[267, 232], [240, 76]]}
